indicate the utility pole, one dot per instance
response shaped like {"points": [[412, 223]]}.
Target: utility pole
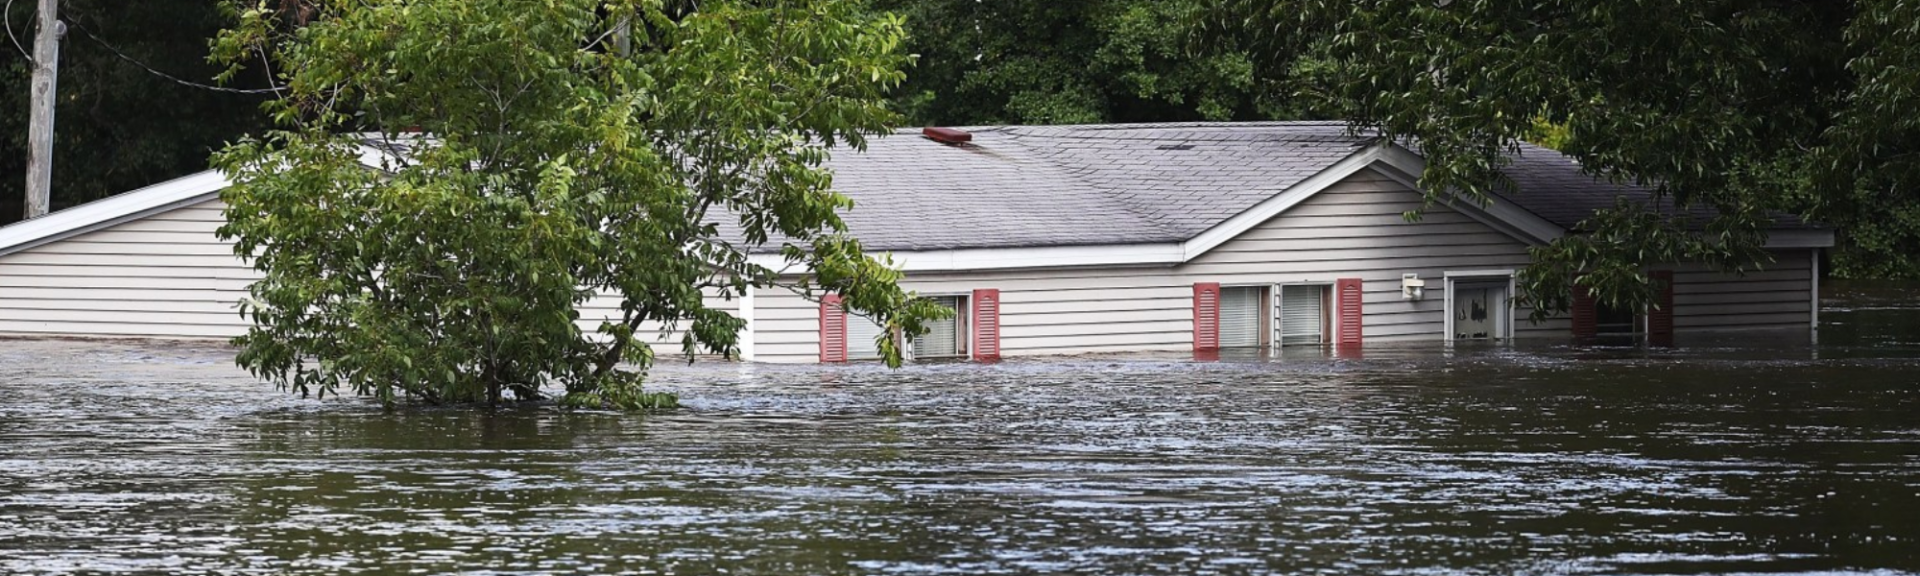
{"points": [[623, 37], [46, 68]]}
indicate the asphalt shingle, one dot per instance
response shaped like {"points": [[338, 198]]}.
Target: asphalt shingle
{"points": [[1033, 186]]}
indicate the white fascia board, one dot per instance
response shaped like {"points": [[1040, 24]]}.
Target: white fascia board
{"points": [[1800, 239], [1405, 167], [385, 159], [1009, 258], [1395, 162], [175, 193], [1039, 257], [133, 205], [1240, 223]]}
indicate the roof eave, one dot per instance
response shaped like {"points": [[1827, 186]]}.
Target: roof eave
{"points": [[132, 205]]}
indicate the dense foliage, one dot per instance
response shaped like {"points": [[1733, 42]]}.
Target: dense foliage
{"points": [[119, 126], [1754, 108], [558, 167], [1078, 62]]}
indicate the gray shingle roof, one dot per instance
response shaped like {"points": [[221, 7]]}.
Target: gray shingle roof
{"points": [[1031, 186], [1023, 186], [1553, 186]]}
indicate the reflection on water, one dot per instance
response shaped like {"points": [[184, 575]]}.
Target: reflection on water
{"points": [[1738, 455]]}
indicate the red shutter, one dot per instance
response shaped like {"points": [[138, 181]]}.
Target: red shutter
{"points": [[1660, 318], [1206, 316], [1349, 292], [986, 325], [833, 329], [1586, 314]]}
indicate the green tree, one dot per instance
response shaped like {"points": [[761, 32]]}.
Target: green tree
{"points": [[1753, 108], [119, 126], [1076, 62], [549, 167]]}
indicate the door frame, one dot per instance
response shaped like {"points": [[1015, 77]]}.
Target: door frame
{"points": [[1503, 325]]}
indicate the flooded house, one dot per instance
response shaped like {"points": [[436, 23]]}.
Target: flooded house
{"points": [[1048, 240]]}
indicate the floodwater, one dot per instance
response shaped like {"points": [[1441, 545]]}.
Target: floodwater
{"points": [[1755, 454]]}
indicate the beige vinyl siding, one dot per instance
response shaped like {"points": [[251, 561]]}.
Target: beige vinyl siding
{"points": [[1352, 230], [1042, 312], [168, 276], [165, 276], [605, 307], [1111, 310], [1355, 229], [786, 327]]}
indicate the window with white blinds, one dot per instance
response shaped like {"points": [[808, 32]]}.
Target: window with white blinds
{"points": [[944, 338], [1303, 317], [860, 334], [1240, 312]]}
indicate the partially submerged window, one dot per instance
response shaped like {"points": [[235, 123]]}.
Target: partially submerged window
{"points": [[1610, 319], [1242, 316], [945, 338], [1303, 315], [861, 332]]}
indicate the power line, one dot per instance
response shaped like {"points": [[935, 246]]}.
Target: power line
{"points": [[6, 17], [175, 79]]}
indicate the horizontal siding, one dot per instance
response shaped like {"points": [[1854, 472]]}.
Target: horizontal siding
{"points": [[1778, 296], [55, 261], [605, 307], [168, 275], [1355, 229], [786, 327], [131, 327], [116, 235], [164, 276]]}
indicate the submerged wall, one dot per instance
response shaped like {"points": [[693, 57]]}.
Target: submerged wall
{"points": [[167, 276]]}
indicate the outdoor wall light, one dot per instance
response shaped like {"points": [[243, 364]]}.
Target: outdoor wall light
{"points": [[1412, 287]]}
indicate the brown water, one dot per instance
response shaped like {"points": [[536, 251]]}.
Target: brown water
{"points": [[1753, 454]]}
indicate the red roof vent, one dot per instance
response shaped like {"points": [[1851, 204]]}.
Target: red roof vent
{"points": [[947, 135]]}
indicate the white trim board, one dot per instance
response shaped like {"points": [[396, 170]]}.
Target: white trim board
{"points": [[1507, 313], [1405, 167], [168, 195], [1392, 161], [135, 204]]}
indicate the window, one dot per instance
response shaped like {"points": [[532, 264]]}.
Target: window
{"points": [[1610, 319], [861, 332], [1303, 315], [1242, 316], [945, 338]]}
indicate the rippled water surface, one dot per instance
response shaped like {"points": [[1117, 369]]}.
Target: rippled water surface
{"points": [[1741, 455]]}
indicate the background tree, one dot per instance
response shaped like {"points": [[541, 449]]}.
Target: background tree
{"points": [[118, 125], [1078, 62], [1751, 107], [555, 168]]}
